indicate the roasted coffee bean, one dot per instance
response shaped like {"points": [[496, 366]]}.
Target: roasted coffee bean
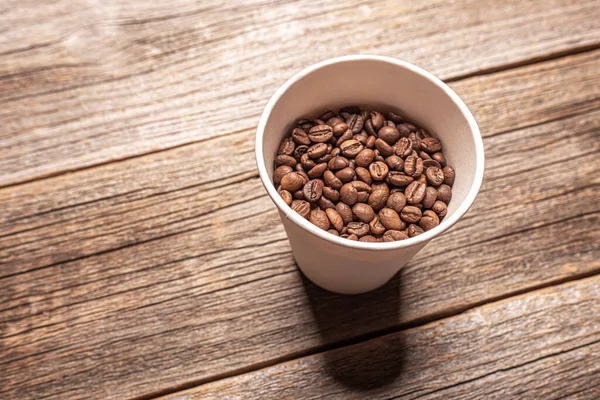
{"points": [[361, 186], [371, 142], [404, 147], [345, 175], [335, 152], [319, 218], [435, 176], [333, 120], [307, 162], [415, 192], [430, 197], [439, 157], [403, 129], [416, 142], [318, 121], [390, 219], [317, 150], [368, 238], [411, 214], [335, 219], [332, 181], [340, 128], [337, 163], [348, 194], [352, 237], [345, 211], [355, 123], [358, 228], [345, 136], [304, 176], [378, 170], [300, 137], [333, 194], [376, 227], [365, 114], [300, 151], [449, 174], [298, 194], [396, 201], [378, 156], [394, 163], [379, 196], [361, 139], [363, 174], [320, 133], [440, 208], [377, 119], [292, 181], [280, 172], [363, 212], [285, 160], [313, 190], [326, 115], [444, 193], [422, 178], [325, 158], [324, 203], [411, 127], [394, 117], [389, 134], [430, 163], [431, 144], [429, 220], [394, 235], [302, 207], [286, 147], [317, 171], [384, 148], [351, 148], [369, 128], [399, 178], [364, 158], [410, 166], [362, 197], [414, 230], [333, 232], [424, 156], [286, 196]]}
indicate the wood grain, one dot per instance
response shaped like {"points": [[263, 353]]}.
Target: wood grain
{"points": [[544, 344], [83, 83]]}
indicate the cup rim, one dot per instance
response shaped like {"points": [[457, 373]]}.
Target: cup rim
{"points": [[369, 246]]}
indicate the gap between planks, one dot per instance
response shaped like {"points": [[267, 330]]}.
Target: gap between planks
{"points": [[420, 322], [483, 72]]}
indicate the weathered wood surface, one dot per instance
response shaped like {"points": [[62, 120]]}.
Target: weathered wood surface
{"points": [[541, 345], [83, 83], [191, 278]]}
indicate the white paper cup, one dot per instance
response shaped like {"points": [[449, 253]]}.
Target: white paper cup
{"points": [[381, 83]]}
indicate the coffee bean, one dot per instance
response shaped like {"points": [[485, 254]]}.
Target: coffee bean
{"points": [[364, 158], [319, 218], [431, 144], [292, 181], [410, 214], [404, 147], [345, 211], [378, 170], [348, 194], [351, 148], [355, 123], [429, 220], [304, 176], [333, 232], [378, 156], [285, 160], [300, 151], [371, 142], [335, 219], [389, 134], [379, 197], [415, 192], [363, 174], [317, 171], [345, 136], [320, 133], [394, 235], [399, 178], [332, 181], [430, 163], [332, 194], [352, 237], [361, 186], [298, 194], [430, 197], [280, 172], [384, 148], [333, 120], [345, 175], [326, 115], [439, 157], [396, 201], [307, 162], [414, 230], [411, 127], [423, 179], [390, 219], [340, 128], [363, 212], [300, 137], [358, 228], [337, 163], [313, 190], [335, 152], [444, 193], [435, 176], [449, 174], [302, 207], [416, 142], [286, 147], [403, 129], [286, 196], [394, 117], [440, 208], [368, 239], [361, 139], [394, 163], [377, 119], [352, 164], [424, 156], [376, 227], [369, 128], [362, 197], [325, 158], [317, 150]]}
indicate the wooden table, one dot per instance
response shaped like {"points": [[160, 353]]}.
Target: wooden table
{"points": [[140, 256]]}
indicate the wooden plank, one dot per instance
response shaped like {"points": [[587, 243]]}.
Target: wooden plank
{"points": [[56, 219], [544, 344], [204, 301], [84, 84]]}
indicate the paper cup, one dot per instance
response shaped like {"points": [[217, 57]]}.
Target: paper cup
{"points": [[385, 84]]}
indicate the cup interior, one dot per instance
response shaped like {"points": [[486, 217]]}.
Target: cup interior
{"points": [[383, 84]]}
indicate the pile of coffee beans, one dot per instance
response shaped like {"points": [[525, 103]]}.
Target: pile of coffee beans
{"points": [[364, 176]]}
